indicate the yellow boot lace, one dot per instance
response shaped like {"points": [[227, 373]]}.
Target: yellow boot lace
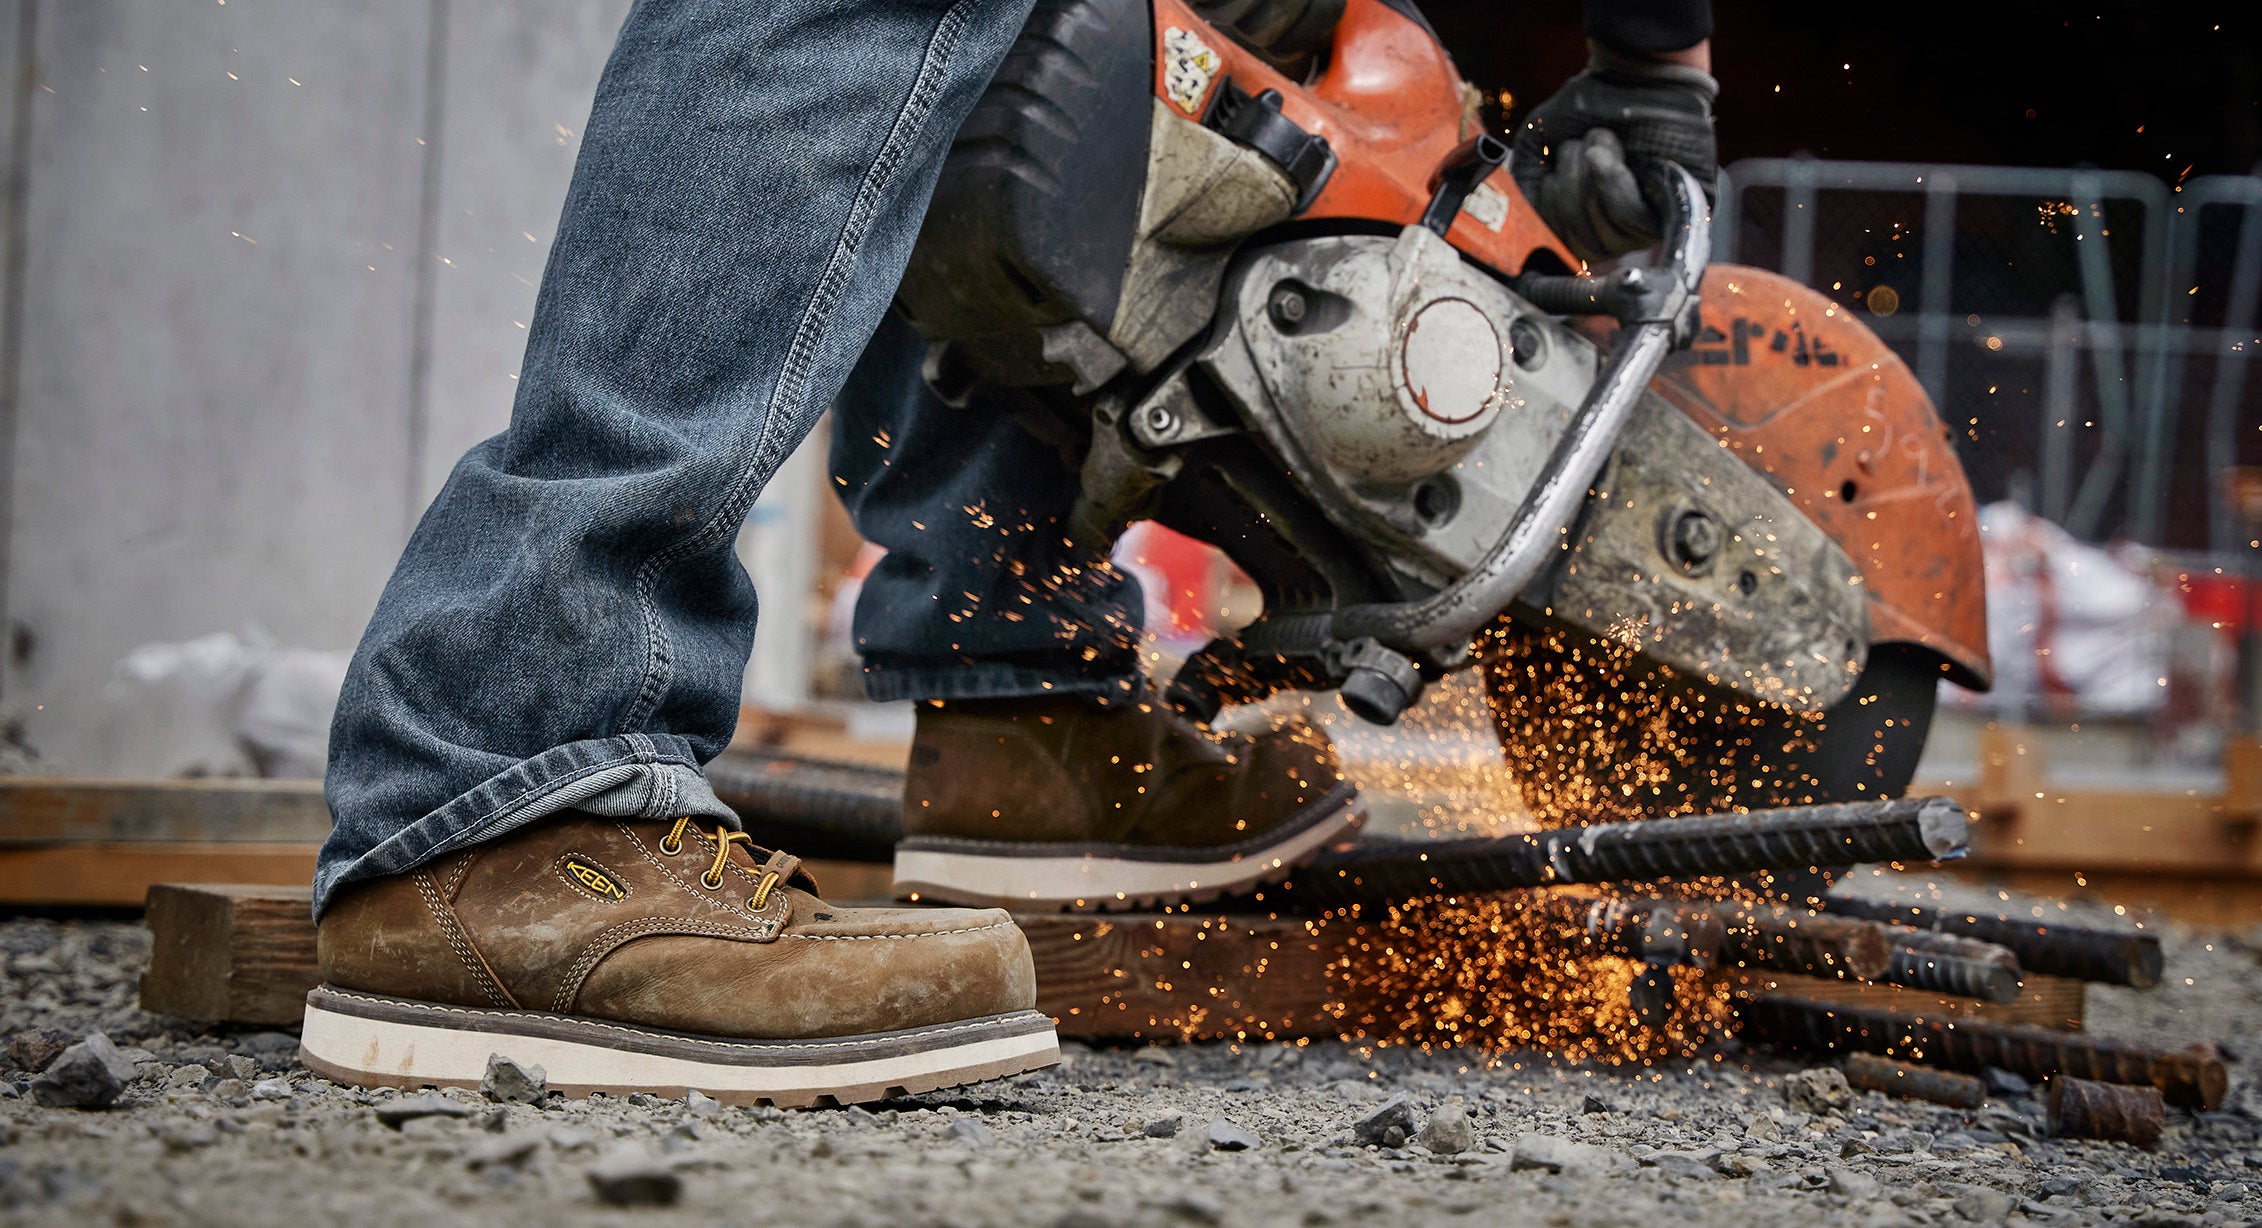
{"points": [[774, 870]]}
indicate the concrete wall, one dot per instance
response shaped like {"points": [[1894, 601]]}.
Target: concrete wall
{"points": [[277, 261]]}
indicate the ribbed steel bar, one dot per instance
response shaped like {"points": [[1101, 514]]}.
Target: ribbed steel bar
{"points": [[1794, 837], [2192, 1078], [2051, 948], [1658, 932], [812, 807], [1808, 943], [1872, 1073], [1952, 964], [2079, 1108]]}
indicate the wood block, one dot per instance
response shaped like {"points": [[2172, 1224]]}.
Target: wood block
{"points": [[237, 953], [1186, 976], [2011, 769]]}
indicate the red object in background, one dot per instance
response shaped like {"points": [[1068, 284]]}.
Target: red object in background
{"points": [[1190, 573], [2216, 599]]}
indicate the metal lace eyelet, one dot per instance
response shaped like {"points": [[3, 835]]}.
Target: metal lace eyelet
{"points": [[667, 851], [711, 882]]}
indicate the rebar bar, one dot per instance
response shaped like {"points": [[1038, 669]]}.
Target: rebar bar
{"points": [[2192, 1078], [1870, 1072], [1658, 932], [1808, 943], [1794, 837], [1952, 964], [2080, 1108], [814, 807], [2050, 948]]}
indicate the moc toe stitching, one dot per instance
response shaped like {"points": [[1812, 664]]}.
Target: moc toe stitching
{"points": [[972, 929], [612, 938], [452, 930]]}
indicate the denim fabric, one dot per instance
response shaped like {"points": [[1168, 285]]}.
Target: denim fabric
{"points": [[980, 595], [568, 626]]}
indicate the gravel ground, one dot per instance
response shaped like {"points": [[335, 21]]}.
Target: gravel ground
{"points": [[223, 1127]]}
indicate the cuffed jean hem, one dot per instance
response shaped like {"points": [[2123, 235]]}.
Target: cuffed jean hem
{"points": [[888, 684], [629, 776]]}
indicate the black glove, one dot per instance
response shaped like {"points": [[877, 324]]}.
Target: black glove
{"points": [[1584, 156]]}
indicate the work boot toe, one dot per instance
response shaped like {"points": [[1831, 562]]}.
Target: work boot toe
{"points": [[851, 971]]}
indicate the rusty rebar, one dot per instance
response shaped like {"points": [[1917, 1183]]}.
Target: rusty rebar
{"points": [[1793, 837], [2113, 957], [1870, 1072], [2080, 1108], [1809, 943], [1952, 964], [1659, 932], [2192, 1078]]}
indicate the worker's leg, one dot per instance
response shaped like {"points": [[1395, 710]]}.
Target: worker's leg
{"points": [[568, 626], [527, 861], [1042, 771], [980, 594]]}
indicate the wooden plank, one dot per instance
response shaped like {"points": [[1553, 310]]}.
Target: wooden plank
{"points": [[120, 874], [2225, 902], [249, 950], [2159, 833], [53, 809], [2023, 821], [237, 952], [1186, 977]]}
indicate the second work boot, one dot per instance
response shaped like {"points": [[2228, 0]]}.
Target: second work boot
{"points": [[1070, 803]]}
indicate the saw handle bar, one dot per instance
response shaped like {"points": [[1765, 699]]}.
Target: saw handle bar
{"points": [[1657, 307]]}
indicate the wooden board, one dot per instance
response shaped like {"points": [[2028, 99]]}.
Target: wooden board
{"points": [[1185, 976], [249, 952], [2193, 856], [2024, 821], [237, 953], [119, 875], [37, 810]]}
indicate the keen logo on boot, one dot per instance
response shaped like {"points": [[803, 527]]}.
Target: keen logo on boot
{"points": [[589, 878]]}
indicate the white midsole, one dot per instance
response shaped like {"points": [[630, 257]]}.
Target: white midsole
{"points": [[1082, 878], [415, 1052]]}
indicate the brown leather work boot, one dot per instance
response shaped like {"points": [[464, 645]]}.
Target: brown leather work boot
{"points": [[632, 955], [1065, 803]]}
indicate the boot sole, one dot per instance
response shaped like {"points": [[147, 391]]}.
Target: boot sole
{"points": [[1115, 877], [371, 1041]]}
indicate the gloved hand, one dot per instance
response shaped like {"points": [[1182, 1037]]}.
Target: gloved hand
{"points": [[1583, 157]]}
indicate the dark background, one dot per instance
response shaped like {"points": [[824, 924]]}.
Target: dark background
{"points": [[2007, 83], [2173, 90]]}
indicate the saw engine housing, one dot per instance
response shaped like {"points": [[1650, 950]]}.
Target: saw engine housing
{"points": [[1311, 321]]}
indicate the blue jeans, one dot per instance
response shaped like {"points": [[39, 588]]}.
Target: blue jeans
{"points": [[568, 626], [981, 594]]}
